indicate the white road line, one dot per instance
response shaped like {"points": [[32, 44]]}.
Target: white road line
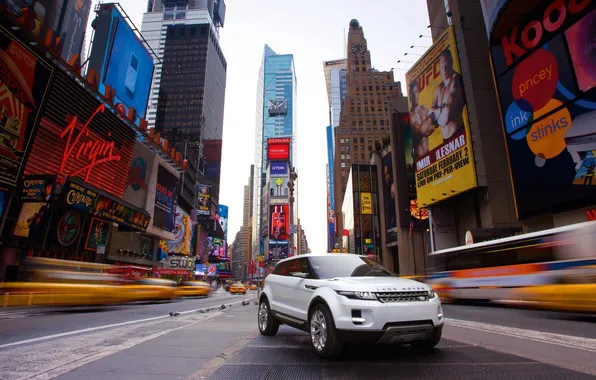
{"points": [[586, 344], [91, 329]]}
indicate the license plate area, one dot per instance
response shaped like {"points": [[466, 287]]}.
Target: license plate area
{"points": [[409, 337]]}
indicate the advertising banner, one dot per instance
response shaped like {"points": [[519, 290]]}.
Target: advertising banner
{"points": [[40, 17], [278, 188], [73, 28], [441, 139], [203, 199], [366, 206], [165, 200], [548, 107], [182, 234], [215, 247], [278, 151], [24, 80], [212, 154], [389, 194], [223, 219], [279, 226], [278, 168], [331, 162], [31, 220], [129, 68], [98, 234], [37, 188], [139, 173]]}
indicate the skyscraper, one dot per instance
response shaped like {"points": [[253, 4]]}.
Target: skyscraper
{"points": [[335, 80], [275, 117], [186, 102], [364, 117]]}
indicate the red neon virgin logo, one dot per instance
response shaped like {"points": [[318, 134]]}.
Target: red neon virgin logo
{"points": [[93, 151]]}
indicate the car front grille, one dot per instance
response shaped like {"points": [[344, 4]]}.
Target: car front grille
{"points": [[388, 297]]}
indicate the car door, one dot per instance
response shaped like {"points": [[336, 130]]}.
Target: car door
{"points": [[307, 284], [275, 282], [288, 287]]}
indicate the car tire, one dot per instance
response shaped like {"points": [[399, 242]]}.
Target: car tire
{"points": [[323, 335], [430, 343], [268, 325]]}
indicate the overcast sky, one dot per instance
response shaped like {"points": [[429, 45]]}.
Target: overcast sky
{"points": [[313, 31]]}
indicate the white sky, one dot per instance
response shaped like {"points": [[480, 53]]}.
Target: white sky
{"points": [[313, 31]]}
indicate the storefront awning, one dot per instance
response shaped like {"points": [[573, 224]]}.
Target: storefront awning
{"points": [[88, 199]]}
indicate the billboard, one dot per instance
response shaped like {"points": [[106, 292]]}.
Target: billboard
{"points": [[74, 24], [279, 225], [24, 80], [389, 195], [443, 154], [331, 162], [278, 151], [212, 154], [165, 200], [139, 174], [548, 107], [203, 199], [278, 168], [278, 188], [121, 60], [223, 219], [182, 233]]}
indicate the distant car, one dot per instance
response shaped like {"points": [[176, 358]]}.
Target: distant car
{"points": [[238, 287], [348, 299], [193, 288], [253, 287]]}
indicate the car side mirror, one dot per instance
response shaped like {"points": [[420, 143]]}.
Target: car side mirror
{"points": [[299, 274]]}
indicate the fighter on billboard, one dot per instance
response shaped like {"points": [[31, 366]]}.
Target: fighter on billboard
{"points": [[442, 144]]}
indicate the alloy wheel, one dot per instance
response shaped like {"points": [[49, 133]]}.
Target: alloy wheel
{"points": [[263, 316], [318, 330]]}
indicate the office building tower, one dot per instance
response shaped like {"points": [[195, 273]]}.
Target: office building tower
{"points": [[186, 103], [276, 117], [364, 119]]}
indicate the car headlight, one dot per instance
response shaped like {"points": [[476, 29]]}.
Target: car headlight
{"points": [[431, 294], [359, 295]]}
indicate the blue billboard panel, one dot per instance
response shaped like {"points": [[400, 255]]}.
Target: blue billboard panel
{"points": [[223, 219], [331, 166], [278, 168], [129, 67]]}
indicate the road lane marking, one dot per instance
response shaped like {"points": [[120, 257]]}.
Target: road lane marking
{"points": [[586, 344], [113, 325]]}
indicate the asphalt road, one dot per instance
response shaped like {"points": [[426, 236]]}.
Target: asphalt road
{"points": [[20, 324], [142, 342]]}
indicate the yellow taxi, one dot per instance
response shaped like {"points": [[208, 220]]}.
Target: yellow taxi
{"points": [[193, 289], [238, 288], [253, 287]]}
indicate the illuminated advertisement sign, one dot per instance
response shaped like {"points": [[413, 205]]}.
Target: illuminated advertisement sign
{"points": [[223, 219], [182, 234], [279, 140], [548, 107], [24, 79], [278, 151], [215, 247], [441, 139], [73, 28], [366, 207], [165, 200], [331, 162], [212, 154], [203, 199], [278, 168], [279, 226], [121, 60], [37, 188], [40, 17]]}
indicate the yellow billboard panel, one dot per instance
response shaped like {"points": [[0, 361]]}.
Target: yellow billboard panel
{"points": [[441, 140], [366, 203]]}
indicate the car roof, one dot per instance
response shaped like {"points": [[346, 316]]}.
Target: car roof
{"points": [[319, 255]]}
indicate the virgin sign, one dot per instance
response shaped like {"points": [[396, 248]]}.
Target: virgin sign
{"points": [[93, 151]]}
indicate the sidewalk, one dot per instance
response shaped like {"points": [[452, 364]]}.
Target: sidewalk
{"points": [[175, 355]]}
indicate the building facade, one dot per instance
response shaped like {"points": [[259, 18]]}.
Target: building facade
{"points": [[363, 118], [186, 101], [275, 118]]}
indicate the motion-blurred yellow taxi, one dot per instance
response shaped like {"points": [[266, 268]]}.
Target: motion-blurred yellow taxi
{"points": [[253, 287], [193, 289], [238, 288]]}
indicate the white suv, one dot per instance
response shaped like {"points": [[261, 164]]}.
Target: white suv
{"points": [[345, 298]]}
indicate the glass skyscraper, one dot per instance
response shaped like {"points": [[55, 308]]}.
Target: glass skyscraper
{"points": [[277, 82]]}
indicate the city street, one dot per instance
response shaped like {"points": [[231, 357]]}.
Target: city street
{"points": [[144, 342]]}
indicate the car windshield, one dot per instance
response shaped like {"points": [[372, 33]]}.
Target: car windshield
{"points": [[347, 266]]}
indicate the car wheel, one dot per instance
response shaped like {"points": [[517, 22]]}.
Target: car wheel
{"points": [[430, 343], [323, 335], [268, 326]]}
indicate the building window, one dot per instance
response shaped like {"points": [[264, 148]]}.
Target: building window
{"points": [[355, 140], [382, 122], [343, 164], [343, 157], [353, 123], [342, 141], [348, 157], [362, 156]]}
